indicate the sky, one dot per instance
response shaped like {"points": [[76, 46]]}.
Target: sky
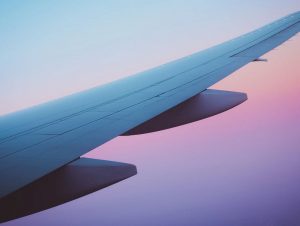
{"points": [[237, 168]]}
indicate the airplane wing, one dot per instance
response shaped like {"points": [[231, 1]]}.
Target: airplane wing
{"points": [[37, 141]]}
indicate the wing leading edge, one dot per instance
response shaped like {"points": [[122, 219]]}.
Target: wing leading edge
{"points": [[39, 140]]}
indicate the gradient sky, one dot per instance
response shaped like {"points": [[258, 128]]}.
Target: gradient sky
{"points": [[238, 168]]}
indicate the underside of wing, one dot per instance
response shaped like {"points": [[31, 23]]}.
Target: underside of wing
{"points": [[42, 139]]}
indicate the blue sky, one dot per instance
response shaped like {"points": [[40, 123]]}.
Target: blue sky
{"points": [[53, 48]]}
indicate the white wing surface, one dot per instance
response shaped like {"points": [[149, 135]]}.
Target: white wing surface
{"points": [[39, 140]]}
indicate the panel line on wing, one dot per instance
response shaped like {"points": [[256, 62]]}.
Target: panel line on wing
{"points": [[265, 40]]}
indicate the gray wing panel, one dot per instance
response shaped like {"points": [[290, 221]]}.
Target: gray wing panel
{"points": [[39, 140]]}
